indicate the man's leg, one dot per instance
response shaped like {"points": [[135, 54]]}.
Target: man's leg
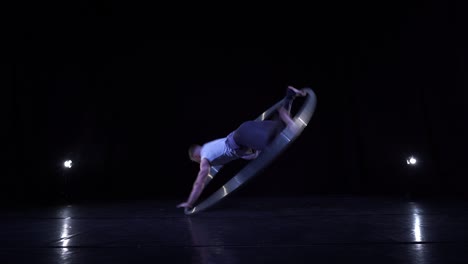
{"points": [[291, 94], [259, 134], [285, 110]]}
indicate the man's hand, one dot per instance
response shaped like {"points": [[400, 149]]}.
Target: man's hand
{"points": [[185, 205], [198, 185], [251, 154]]}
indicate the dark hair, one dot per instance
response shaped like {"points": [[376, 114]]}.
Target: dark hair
{"points": [[191, 150]]}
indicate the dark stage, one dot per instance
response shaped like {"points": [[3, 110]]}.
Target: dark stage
{"points": [[314, 229], [100, 102]]}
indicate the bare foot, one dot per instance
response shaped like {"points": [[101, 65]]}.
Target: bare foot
{"points": [[301, 92]]}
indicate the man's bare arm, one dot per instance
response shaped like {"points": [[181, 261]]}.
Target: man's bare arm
{"points": [[198, 185]]}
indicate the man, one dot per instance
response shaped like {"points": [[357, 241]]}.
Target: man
{"points": [[246, 142]]}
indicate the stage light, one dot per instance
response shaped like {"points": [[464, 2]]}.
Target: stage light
{"points": [[67, 164], [411, 161]]}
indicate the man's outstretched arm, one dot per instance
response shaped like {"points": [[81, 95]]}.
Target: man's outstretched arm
{"points": [[198, 185]]}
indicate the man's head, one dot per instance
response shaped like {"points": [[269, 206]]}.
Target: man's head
{"points": [[194, 152]]}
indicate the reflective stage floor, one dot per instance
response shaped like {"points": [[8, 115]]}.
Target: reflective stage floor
{"points": [[319, 229]]}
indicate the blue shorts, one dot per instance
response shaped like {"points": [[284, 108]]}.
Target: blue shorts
{"points": [[257, 134]]}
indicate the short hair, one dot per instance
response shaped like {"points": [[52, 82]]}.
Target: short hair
{"points": [[191, 150]]}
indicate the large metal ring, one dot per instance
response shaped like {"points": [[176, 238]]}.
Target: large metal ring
{"points": [[279, 144]]}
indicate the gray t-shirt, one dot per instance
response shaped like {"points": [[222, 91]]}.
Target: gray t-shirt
{"points": [[217, 152]]}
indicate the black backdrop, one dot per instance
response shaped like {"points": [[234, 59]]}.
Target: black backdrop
{"points": [[105, 87]]}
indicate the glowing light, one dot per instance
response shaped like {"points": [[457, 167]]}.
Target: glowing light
{"points": [[67, 164], [411, 161]]}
